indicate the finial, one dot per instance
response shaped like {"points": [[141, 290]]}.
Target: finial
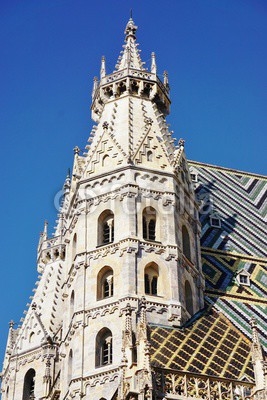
{"points": [[105, 125], [131, 13], [95, 84], [166, 79], [103, 67], [153, 63], [181, 143], [67, 183], [254, 329], [44, 236], [143, 310], [130, 29], [76, 150], [11, 324]]}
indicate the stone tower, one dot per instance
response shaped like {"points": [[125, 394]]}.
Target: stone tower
{"points": [[125, 252]]}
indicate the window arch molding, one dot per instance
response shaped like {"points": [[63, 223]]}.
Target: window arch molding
{"points": [[29, 385], [186, 243], [149, 224], [151, 277], [103, 348], [105, 283], [106, 227]]}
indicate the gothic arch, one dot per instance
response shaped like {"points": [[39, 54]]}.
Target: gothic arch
{"points": [[105, 283], [103, 348], [29, 385], [74, 246], [70, 365], [186, 243], [151, 279], [72, 299], [31, 337], [149, 156], [106, 227], [188, 298], [164, 278], [149, 220]]}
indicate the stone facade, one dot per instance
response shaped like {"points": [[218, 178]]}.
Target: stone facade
{"points": [[125, 257]]}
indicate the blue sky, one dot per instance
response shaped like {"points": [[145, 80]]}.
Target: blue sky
{"points": [[214, 52]]}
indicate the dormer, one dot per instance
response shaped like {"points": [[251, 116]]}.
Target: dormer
{"points": [[243, 277]]}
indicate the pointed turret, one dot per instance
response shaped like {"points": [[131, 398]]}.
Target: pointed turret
{"points": [[103, 68], [153, 63], [130, 78], [130, 56]]}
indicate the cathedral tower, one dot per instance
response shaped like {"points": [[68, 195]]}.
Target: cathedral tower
{"points": [[125, 253]]}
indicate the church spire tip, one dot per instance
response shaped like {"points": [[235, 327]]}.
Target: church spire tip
{"points": [[130, 29]]}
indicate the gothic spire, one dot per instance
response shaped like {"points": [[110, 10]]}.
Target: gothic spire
{"points": [[130, 55]]}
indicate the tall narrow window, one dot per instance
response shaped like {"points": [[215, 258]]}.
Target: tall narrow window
{"points": [[106, 227], [72, 296], [149, 156], [103, 347], [74, 246], [151, 279], [105, 283], [70, 362], [188, 298], [149, 223], [31, 337], [186, 243], [29, 384]]}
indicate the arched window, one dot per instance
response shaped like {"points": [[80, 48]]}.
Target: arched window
{"points": [[7, 393], [31, 337], [106, 227], [151, 279], [74, 246], [72, 297], [186, 243], [103, 350], [105, 160], [105, 283], [149, 156], [188, 298], [149, 223], [29, 384], [70, 362]]}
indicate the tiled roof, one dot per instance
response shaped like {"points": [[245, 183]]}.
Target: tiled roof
{"points": [[210, 346], [240, 200], [237, 302]]}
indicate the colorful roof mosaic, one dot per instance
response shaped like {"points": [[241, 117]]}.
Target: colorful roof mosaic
{"points": [[239, 200], [238, 302], [233, 214], [234, 243], [210, 346]]}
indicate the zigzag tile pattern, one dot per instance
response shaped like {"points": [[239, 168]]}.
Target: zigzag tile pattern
{"points": [[239, 303], [240, 200], [239, 244], [211, 345]]}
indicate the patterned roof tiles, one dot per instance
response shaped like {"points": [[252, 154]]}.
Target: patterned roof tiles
{"points": [[211, 346], [240, 200]]}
